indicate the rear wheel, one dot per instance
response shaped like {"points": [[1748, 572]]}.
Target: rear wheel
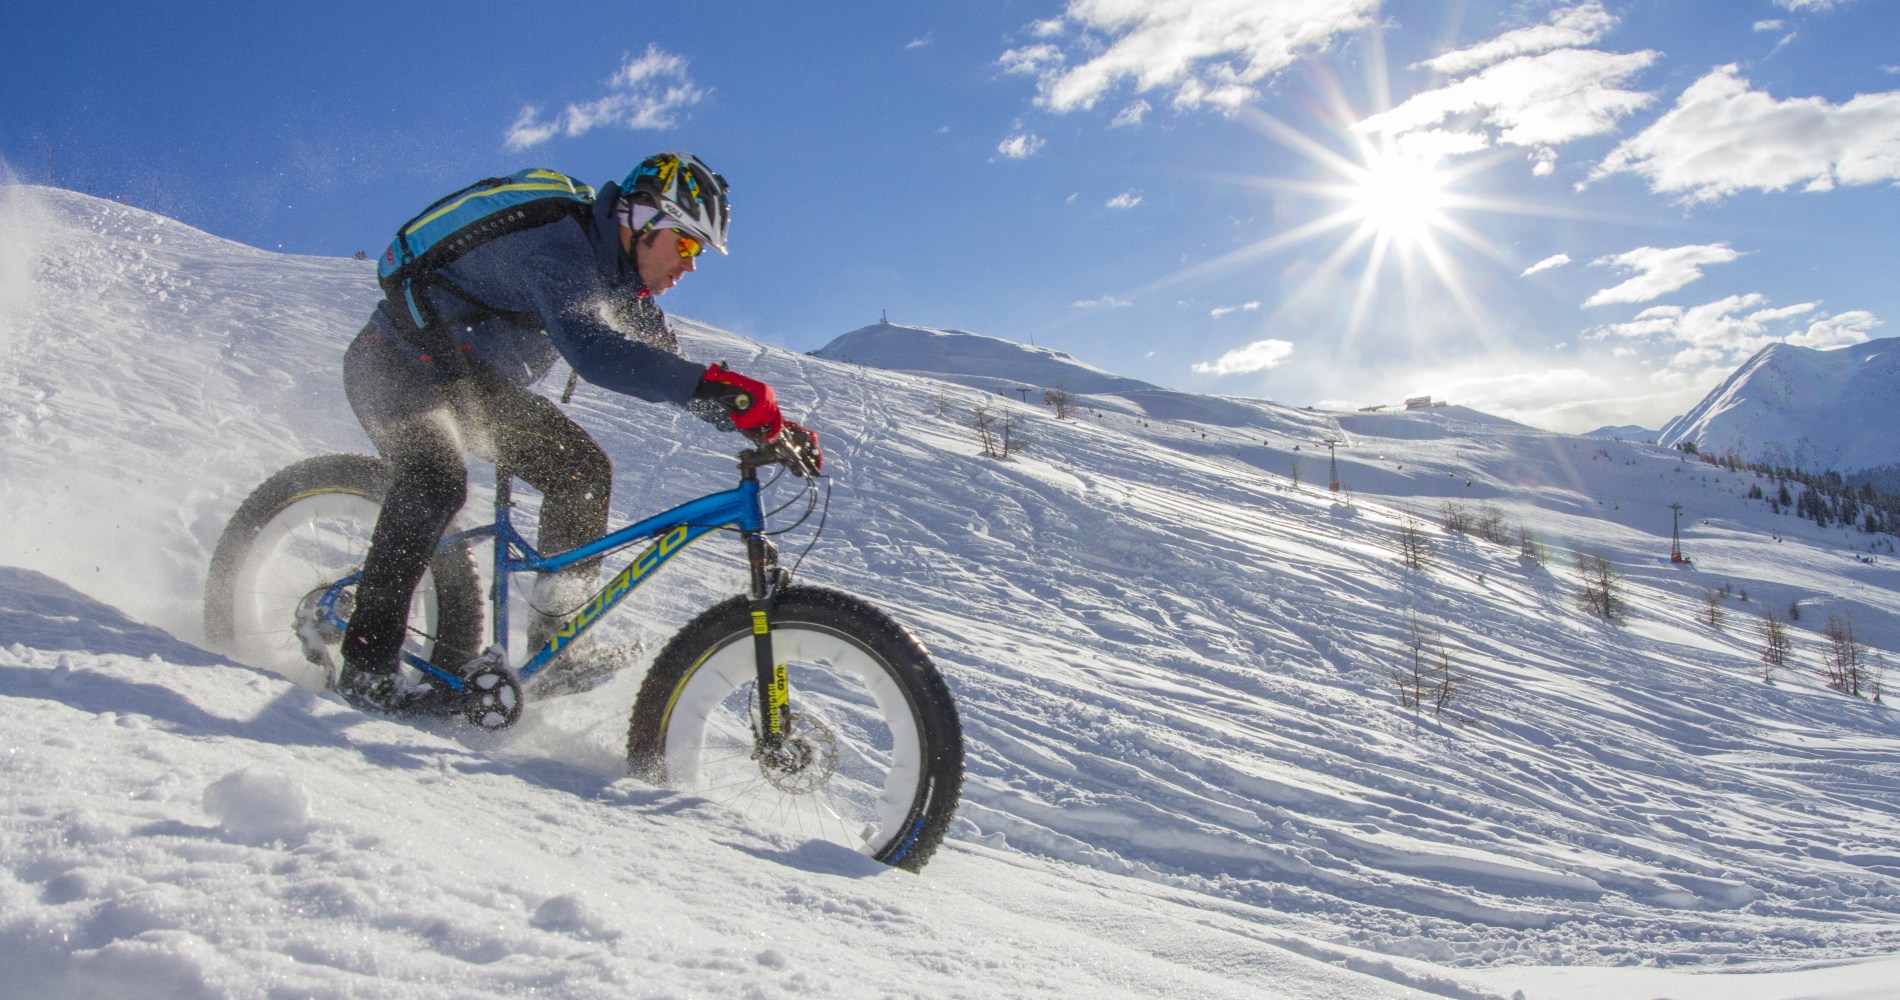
{"points": [[269, 600], [873, 753]]}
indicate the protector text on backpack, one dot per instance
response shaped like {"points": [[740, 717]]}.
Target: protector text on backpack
{"points": [[468, 218]]}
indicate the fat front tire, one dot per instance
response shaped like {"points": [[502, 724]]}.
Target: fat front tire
{"points": [[873, 754], [302, 530]]}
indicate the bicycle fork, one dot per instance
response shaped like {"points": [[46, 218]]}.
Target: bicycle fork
{"points": [[774, 687]]}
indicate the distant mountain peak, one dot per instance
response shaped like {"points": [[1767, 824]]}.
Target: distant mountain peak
{"points": [[972, 358], [1802, 408]]}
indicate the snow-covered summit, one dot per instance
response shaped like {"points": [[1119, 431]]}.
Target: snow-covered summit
{"points": [[1802, 408], [972, 359]]}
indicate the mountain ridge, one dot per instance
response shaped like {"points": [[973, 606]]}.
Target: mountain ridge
{"points": [[1795, 407]]}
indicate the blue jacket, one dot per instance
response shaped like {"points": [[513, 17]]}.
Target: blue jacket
{"points": [[546, 291]]}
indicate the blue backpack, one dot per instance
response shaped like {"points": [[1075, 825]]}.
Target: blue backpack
{"points": [[468, 218]]}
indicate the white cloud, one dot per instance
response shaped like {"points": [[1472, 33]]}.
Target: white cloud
{"points": [[918, 43], [1536, 87], [1567, 29], [1019, 146], [1031, 60], [1554, 260], [1784, 312], [1105, 302], [1218, 311], [1730, 329], [1768, 25], [1260, 354], [1127, 199], [1721, 326], [1837, 331], [649, 91], [1658, 271], [1722, 138], [1130, 115], [530, 129], [1206, 52], [1541, 100], [1808, 4]]}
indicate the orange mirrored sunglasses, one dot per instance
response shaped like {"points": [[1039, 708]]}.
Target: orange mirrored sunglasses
{"points": [[688, 247]]}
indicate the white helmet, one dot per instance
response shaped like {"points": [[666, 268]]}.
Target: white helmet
{"points": [[686, 192]]}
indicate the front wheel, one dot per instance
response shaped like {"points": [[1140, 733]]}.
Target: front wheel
{"points": [[271, 599], [873, 753]]}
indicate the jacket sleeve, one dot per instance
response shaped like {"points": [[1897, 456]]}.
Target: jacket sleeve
{"points": [[607, 358], [553, 275]]}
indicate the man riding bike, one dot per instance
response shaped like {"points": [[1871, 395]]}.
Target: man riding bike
{"points": [[499, 316]]}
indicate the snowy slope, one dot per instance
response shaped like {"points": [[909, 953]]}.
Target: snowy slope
{"points": [[960, 355], [1188, 775], [1801, 408]]}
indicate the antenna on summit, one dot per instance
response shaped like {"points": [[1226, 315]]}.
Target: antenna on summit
{"points": [[883, 317]]}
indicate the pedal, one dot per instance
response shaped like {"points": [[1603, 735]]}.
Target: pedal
{"points": [[491, 695]]}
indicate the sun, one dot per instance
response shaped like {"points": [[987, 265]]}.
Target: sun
{"points": [[1386, 227], [1395, 196]]}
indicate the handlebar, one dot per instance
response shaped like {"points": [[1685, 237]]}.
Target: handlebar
{"points": [[780, 450]]}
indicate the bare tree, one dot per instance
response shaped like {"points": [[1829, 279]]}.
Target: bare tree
{"points": [[1013, 440], [985, 423], [1776, 644], [1712, 604], [1489, 524], [1415, 548], [1602, 593], [1457, 518], [1296, 470], [1411, 679], [1058, 397], [1846, 664], [1528, 547], [941, 401], [1429, 679]]}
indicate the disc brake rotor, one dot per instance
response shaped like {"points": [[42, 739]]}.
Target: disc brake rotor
{"points": [[805, 760]]}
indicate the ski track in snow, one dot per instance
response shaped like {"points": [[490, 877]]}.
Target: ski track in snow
{"points": [[1187, 772]]}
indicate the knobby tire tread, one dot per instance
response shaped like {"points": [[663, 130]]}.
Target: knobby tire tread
{"points": [[730, 621], [458, 588]]}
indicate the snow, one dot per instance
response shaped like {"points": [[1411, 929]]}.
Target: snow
{"points": [[1802, 408], [1188, 772]]}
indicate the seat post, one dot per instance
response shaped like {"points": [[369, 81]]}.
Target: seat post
{"points": [[504, 487]]}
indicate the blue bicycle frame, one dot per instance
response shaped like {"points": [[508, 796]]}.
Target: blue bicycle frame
{"points": [[671, 531]]}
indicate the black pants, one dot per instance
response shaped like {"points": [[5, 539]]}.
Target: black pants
{"points": [[423, 429]]}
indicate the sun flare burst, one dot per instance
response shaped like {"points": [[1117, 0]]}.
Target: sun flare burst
{"points": [[1397, 196]]}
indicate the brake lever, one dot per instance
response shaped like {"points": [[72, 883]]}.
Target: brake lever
{"points": [[779, 451]]}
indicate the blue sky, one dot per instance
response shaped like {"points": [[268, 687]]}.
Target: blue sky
{"points": [[1574, 214]]}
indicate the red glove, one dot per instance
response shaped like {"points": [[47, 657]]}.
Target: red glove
{"points": [[750, 401]]}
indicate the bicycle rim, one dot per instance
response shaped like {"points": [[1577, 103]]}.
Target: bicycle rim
{"points": [[307, 545], [855, 758]]}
